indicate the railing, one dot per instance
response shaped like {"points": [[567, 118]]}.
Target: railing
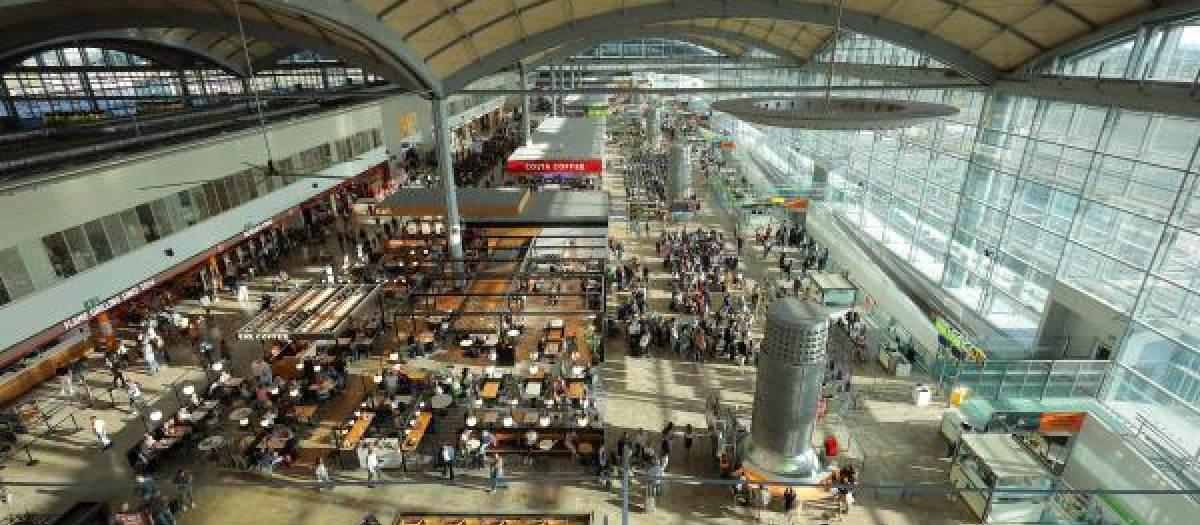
{"points": [[1021, 378]]}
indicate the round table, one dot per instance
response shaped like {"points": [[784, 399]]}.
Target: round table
{"points": [[546, 444], [211, 443], [440, 401], [239, 414]]}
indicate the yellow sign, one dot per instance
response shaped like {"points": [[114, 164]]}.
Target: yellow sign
{"points": [[407, 124], [976, 354]]}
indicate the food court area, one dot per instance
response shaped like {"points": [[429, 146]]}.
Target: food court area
{"points": [[343, 364]]}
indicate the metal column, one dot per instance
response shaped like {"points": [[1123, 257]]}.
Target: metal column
{"points": [[441, 129], [526, 118], [791, 368]]}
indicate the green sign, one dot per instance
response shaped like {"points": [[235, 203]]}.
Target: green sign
{"points": [[597, 112], [90, 303]]}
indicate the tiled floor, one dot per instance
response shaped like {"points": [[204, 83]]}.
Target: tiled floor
{"points": [[899, 445]]}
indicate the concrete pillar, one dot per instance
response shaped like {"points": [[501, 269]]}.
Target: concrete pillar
{"points": [[441, 127], [526, 118], [791, 369]]}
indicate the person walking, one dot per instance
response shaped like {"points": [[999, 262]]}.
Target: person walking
{"points": [[101, 431], [689, 435], [764, 501], [150, 357], [496, 472], [135, 397], [323, 478], [789, 503], [448, 456], [184, 483], [373, 473]]}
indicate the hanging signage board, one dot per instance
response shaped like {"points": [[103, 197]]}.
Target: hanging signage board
{"points": [[1061, 422], [540, 167]]}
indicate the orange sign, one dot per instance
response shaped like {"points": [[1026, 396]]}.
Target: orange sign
{"points": [[799, 204], [1061, 421], [727, 145]]}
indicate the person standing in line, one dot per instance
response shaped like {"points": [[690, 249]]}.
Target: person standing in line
{"points": [[373, 472], [323, 478], [101, 431]]}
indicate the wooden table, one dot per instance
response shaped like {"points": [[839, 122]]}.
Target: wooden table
{"points": [[576, 390], [413, 438], [357, 430], [490, 390], [306, 413]]}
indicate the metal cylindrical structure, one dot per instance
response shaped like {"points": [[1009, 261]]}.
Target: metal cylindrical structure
{"points": [[654, 124], [441, 129], [791, 369], [680, 171]]}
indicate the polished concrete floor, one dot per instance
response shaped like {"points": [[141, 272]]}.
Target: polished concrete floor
{"points": [[896, 444]]}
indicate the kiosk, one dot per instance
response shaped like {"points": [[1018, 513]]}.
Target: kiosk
{"points": [[987, 462]]}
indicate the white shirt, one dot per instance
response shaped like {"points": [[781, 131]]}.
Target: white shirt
{"points": [[372, 461], [98, 426]]}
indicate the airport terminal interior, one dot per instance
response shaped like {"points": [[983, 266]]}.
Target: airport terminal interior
{"points": [[599, 262]]}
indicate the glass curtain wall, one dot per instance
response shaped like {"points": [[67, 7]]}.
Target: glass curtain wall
{"points": [[1014, 195], [116, 83], [1164, 52], [647, 48]]}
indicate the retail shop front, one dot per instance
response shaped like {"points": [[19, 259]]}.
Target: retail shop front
{"points": [[564, 153], [105, 323]]}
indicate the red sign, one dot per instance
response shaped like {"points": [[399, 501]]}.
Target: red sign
{"points": [[1062, 421], [539, 167]]}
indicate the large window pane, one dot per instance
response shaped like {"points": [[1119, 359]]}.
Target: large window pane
{"points": [[59, 254], [115, 232], [81, 250], [12, 271], [1102, 277], [98, 240]]}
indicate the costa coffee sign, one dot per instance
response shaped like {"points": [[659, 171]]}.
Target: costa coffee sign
{"points": [[538, 167]]}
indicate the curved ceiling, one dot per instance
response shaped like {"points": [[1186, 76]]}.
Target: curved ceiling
{"points": [[440, 46], [175, 48]]}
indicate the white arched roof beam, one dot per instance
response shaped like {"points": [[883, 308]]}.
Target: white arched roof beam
{"points": [[334, 28], [687, 34], [609, 22]]}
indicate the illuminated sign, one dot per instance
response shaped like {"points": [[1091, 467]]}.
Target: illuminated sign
{"points": [[98, 307], [537, 167]]}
